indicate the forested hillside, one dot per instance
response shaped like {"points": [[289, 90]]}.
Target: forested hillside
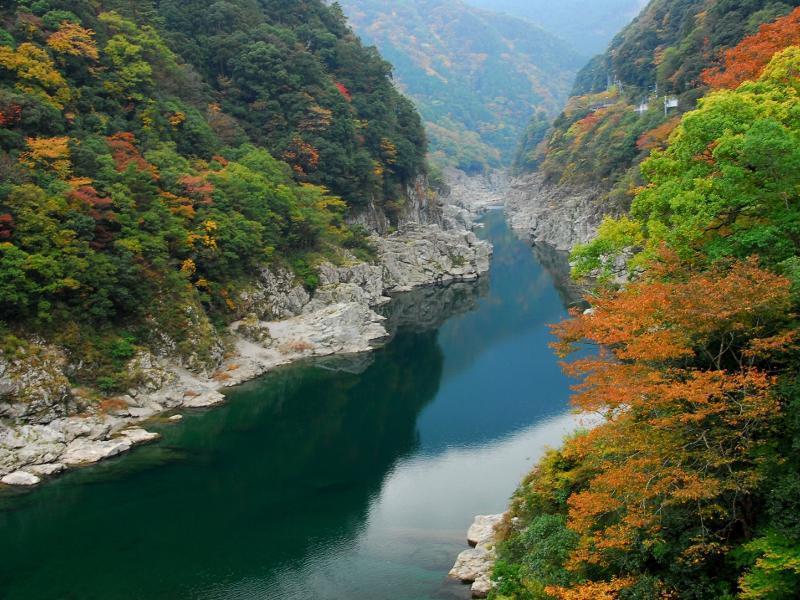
{"points": [[477, 77], [689, 487], [587, 26], [617, 115], [154, 154]]}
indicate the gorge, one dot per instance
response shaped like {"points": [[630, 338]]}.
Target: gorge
{"points": [[282, 313], [351, 477]]}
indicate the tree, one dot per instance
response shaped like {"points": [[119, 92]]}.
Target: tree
{"points": [[74, 40], [685, 387], [747, 60]]}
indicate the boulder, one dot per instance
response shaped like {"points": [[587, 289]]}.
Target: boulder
{"points": [[473, 563], [203, 399], [137, 435], [46, 470], [482, 530], [474, 566], [85, 451], [20, 478]]}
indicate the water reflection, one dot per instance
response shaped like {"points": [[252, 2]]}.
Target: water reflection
{"points": [[353, 478]]}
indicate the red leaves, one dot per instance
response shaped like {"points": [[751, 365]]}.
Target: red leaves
{"points": [[6, 227], [101, 209], [657, 138], [125, 153], [746, 61], [344, 91], [9, 115], [198, 188]]}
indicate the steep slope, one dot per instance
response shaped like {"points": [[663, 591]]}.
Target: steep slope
{"points": [[141, 149], [587, 26], [688, 488], [476, 77], [617, 115]]}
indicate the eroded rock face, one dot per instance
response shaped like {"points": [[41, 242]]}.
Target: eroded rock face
{"points": [[340, 328], [33, 386], [561, 216], [474, 566], [424, 254], [275, 294], [469, 196]]}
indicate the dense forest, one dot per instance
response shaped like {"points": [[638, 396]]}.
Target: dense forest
{"points": [[689, 487], [154, 154], [617, 114], [476, 77]]}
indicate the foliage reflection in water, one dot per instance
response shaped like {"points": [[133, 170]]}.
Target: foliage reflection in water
{"points": [[352, 478]]}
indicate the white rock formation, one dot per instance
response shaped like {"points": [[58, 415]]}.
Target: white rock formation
{"points": [[137, 435], [84, 451], [560, 216], [474, 566], [469, 196], [424, 254], [20, 478]]}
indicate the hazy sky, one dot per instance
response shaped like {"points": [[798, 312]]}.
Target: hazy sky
{"points": [[589, 25]]}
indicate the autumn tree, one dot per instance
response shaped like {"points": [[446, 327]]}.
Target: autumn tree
{"points": [[747, 60], [684, 383]]}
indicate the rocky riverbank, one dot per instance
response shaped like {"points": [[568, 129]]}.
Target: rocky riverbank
{"points": [[560, 216], [474, 566], [47, 426]]}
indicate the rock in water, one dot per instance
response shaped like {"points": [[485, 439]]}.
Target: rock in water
{"points": [[137, 435], [46, 470], [482, 530], [84, 451], [20, 478], [475, 565]]}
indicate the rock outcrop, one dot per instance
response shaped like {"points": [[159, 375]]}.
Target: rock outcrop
{"points": [[474, 566], [469, 196], [558, 215], [41, 431], [420, 255]]}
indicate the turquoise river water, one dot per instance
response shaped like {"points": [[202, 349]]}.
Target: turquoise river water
{"points": [[347, 479]]}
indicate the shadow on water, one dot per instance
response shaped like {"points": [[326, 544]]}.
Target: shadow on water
{"points": [[341, 478], [212, 498]]}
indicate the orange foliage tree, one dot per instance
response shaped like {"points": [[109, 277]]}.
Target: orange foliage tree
{"points": [[684, 383], [747, 60]]}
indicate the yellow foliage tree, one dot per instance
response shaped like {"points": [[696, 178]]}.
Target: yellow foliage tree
{"points": [[36, 73], [48, 153], [74, 40]]}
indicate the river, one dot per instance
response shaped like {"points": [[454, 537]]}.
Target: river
{"points": [[347, 479]]}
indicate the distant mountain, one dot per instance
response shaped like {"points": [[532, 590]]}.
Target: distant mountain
{"points": [[477, 77], [588, 25]]}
